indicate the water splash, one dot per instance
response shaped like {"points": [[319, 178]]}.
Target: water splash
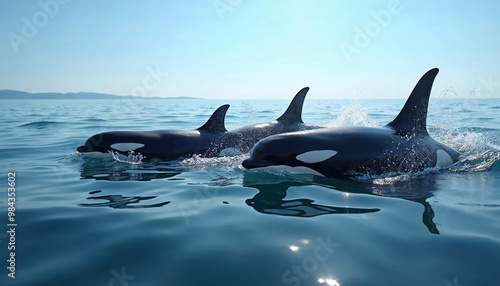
{"points": [[392, 178], [249, 110], [477, 162], [198, 162], [354, 114], [478, 155], [479, 149], [131, 158]]}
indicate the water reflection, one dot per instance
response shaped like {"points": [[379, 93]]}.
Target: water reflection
{"points": [[271, 200], [122, 202], [409, 187], [110, 170], [273, 190]]}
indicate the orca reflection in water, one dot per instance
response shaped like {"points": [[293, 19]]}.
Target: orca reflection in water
{"points": [[273, 190], [271, 200], [401, 146], [122, 202], [116, 171], [208, 140], [411, 188]]}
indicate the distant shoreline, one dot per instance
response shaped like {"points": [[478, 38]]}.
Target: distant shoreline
{"points": [[16, 94]]}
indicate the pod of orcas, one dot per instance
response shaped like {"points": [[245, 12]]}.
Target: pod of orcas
{"points": [[288, 144], [209, 140], [401, 146]]}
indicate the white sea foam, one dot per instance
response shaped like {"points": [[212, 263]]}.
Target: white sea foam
{"points": [[131, 158], [198, 163], [354, 114]]}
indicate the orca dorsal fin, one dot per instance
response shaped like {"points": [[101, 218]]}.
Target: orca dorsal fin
{"points": [[293, 113], [412, 119], [215, 124]]}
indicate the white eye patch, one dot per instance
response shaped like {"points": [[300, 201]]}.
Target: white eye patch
{"points": [[316, 156], [126, 146]]}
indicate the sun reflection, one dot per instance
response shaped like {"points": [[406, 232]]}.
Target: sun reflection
{"points": [[329, 282], [346, 195], [294, 248]]}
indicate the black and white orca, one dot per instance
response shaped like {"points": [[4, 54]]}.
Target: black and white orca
{"points": [[401, 146], [209, 140]]}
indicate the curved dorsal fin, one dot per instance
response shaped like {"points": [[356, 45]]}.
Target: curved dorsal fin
{"points": [[412, 119], [215, 124], [293, 114]]}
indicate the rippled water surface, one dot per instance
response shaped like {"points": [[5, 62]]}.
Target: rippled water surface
{"points": [[206, 221]]}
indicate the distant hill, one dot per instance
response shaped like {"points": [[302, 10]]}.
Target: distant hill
{"points": [[16, 94]]}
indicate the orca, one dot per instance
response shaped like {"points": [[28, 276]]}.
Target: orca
{"points": [[401, 146], [209, 140]]}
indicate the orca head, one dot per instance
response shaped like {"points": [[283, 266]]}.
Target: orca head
{"points": [[289, 153], [101, 145], [94, 147]]}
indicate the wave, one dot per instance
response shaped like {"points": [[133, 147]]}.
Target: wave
{"points": [[40, 124], [484, 161], [94, 120], [480, 147]]}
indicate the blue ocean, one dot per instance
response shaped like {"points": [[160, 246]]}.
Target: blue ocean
{"points": [[208, 221]]}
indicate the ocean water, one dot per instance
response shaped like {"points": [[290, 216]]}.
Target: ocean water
{"points": [[207, 221]]}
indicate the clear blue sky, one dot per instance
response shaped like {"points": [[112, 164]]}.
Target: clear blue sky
{"points": [[242, 49]]}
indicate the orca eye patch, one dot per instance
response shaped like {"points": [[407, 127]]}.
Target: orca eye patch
{"points": [[316, 156]]}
